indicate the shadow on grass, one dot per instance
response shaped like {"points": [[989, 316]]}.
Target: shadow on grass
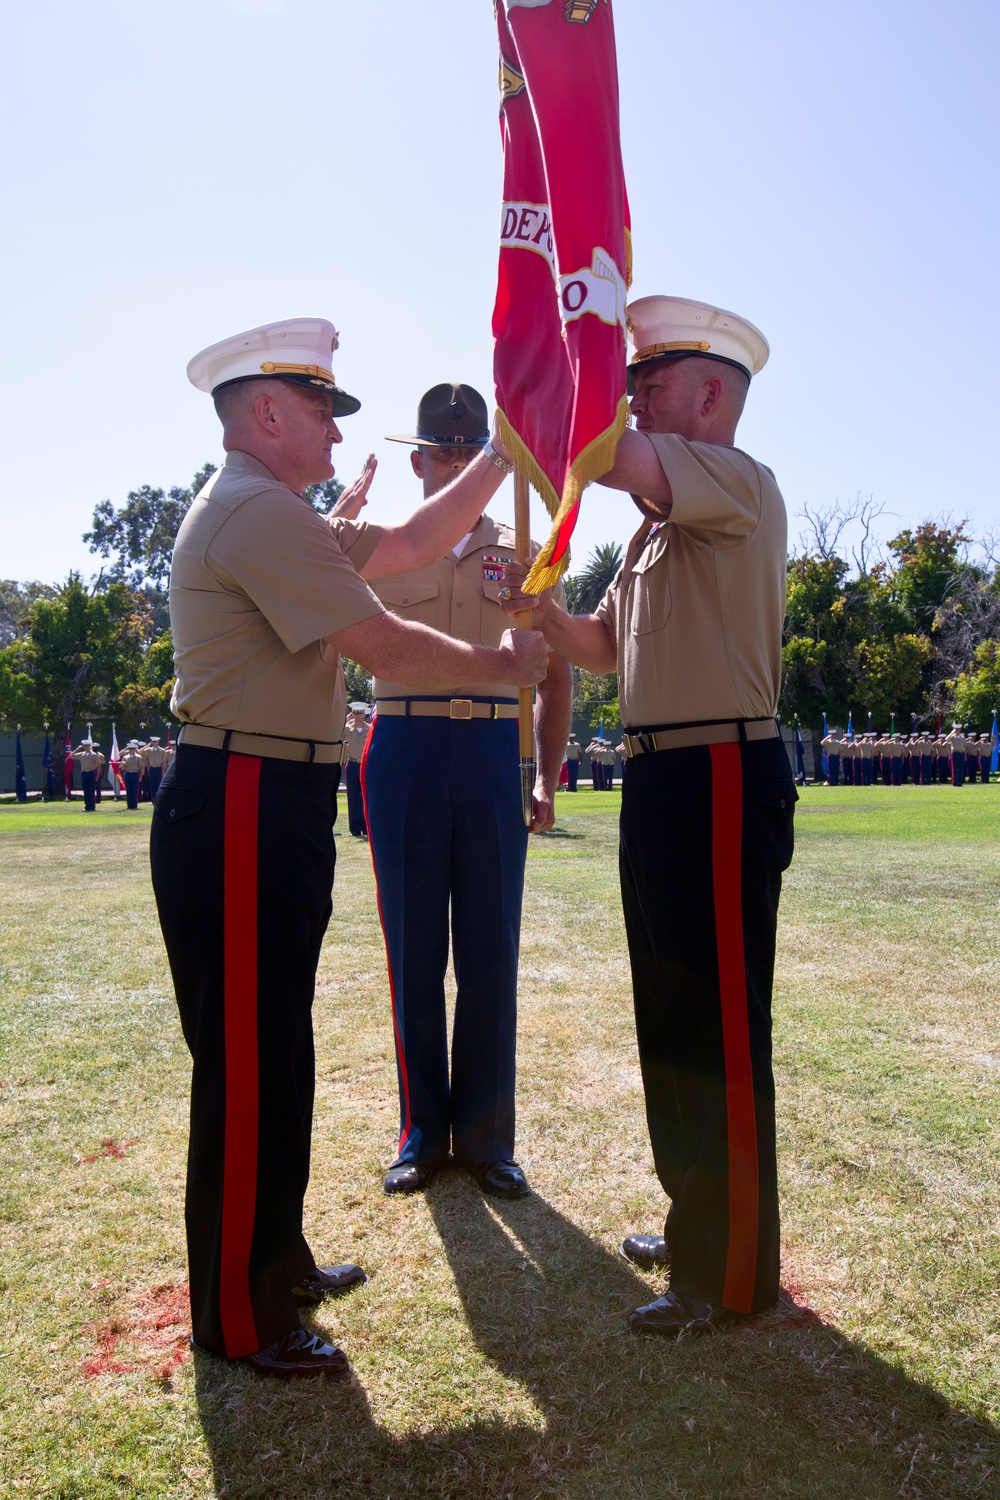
{"points": [[784, 1407]]}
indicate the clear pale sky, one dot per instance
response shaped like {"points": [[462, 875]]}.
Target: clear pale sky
{"points": [[174, 174]]}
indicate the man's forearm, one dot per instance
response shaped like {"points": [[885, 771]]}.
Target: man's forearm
{"points": [[637, 469], [553, 705], [417, 656], [582, 639], [436, 525]]}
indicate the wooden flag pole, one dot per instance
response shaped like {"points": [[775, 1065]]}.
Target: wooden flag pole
{"points": [[526, 725]]}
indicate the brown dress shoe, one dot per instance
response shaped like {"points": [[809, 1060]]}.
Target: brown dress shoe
{"points": [[328, 1281]]}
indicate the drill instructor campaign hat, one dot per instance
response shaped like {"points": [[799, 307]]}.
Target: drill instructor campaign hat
{"points": [[676, 328], [449, 415], [297, 350]]}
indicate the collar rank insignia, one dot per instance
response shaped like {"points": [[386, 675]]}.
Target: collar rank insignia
{"points": [[493, 568]]}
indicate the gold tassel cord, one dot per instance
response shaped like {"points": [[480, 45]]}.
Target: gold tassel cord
{"points": [[596, 459]]}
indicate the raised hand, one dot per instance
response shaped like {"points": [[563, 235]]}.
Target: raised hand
{"points": [[355, 496]]}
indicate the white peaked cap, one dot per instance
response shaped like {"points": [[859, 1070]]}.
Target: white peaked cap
{"points": [[664, 327], [298, 350]]}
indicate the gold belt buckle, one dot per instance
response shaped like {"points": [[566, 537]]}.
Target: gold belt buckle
{"points": [[461, 708]]}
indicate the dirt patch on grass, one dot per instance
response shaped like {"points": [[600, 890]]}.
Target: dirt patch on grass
{"points": [[148, 1337]]}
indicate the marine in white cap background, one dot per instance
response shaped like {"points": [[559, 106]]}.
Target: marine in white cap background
{"points": [[692, 624], [265, 593]]}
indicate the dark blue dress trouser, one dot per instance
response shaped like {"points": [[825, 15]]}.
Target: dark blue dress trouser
{"points": [[87, 779], [355, 802], [443, 803], [132, 789], [572, 773]]}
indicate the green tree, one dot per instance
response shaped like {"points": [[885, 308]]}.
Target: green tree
{"points": [[79, 651], [976, 692], [927, 563], [323, 497], [148, 697], [849, 646], [358, 680], [16, 600], [595, 699], [586, 589]]}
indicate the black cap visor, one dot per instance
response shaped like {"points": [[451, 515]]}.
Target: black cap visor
{"points": [[343, 405]]}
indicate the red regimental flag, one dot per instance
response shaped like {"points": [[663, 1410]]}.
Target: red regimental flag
{"points": [[565, 254]]}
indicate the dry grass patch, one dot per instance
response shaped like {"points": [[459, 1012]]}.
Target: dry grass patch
{"points": [[489, 1347]]}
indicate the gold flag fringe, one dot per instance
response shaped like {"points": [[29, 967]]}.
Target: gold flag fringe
{"points": [[596, 459]]}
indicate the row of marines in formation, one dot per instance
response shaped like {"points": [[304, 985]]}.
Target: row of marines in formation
{"points": [[920, 759], [137, 763]]}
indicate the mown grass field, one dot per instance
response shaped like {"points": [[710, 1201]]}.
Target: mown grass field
{"points": [[489, 1347]]}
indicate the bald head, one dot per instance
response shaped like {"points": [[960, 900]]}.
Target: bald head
{"points": [[699, 399], [288, 427]]}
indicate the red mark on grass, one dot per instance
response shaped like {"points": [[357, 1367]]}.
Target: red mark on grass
{"points": [[150, 1337], [109, 1147], [788, 1312]]}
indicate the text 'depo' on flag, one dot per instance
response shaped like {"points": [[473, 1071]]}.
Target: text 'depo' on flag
{"points": [[565, 256]]}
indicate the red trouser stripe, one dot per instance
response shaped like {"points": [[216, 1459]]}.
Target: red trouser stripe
{"points": [[400, 1054], [239, 1187], [727, 877]]}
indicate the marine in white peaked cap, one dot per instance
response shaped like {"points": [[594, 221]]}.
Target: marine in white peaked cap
{"points": [[265, 593], [692, 624]]}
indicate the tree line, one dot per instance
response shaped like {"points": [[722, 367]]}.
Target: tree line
{"points": [[906, 627]]}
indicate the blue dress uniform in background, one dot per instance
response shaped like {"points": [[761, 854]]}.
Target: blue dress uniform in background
{"points": [[156, 758], [90, 769], [131, 766], [574, 755], [355, 735]]}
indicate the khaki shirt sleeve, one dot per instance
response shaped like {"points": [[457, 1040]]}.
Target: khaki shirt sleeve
{"points": [[607, 610], [715, 489], [356, 539], [288, 560]]}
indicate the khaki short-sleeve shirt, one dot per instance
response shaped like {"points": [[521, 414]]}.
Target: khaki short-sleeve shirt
{"points": [[258, 580], [89, 760], [460, 597], [698, 607]]}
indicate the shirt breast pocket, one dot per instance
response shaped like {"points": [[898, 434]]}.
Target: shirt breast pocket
{"points": [[411, 600], [494, 621], [649, 592]]}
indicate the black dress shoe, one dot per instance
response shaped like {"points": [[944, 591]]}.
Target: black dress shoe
{"points": [[410, 1176], [647, 1251], [296, 1355], [328, 1281], [675, 1314], [501, 1179]]}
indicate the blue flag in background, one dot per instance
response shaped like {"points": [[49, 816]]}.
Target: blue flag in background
{"points": [[995, 737], [20, 784], [50, 780], [850, 726], [600, 730], [800, 758], [824, 758]]}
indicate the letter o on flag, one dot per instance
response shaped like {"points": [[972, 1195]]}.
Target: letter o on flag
{"points": [[574, 295]]}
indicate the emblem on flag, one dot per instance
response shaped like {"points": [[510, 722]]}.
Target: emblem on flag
{"points": [[559, 321]]}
